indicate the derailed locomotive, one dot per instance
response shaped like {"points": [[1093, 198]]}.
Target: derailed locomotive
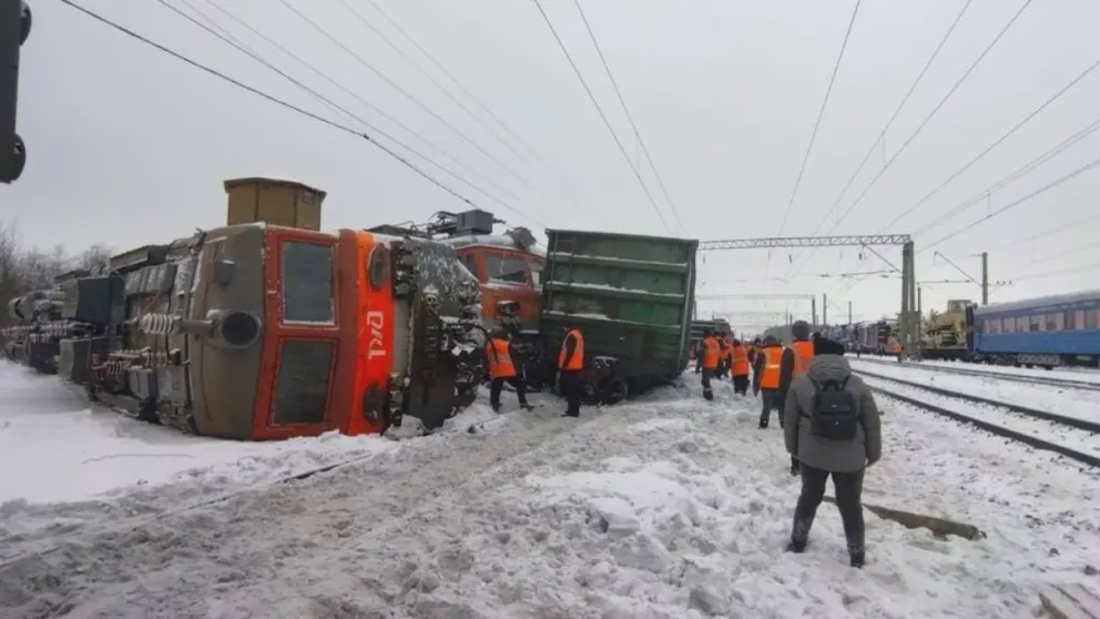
{"points": [[262, 331]]}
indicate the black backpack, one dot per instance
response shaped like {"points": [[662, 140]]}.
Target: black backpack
{"points": [[835, 411]]}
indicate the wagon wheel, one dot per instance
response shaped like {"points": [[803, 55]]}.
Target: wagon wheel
{"points": [[614, 390]]}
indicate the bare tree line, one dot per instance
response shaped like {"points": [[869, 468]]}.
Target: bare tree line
{"points": [[23, 269]]}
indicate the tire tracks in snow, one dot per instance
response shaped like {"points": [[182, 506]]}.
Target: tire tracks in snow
{"points": [[373, 500]]}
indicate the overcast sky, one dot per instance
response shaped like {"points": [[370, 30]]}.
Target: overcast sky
{"points": [[129, 146]]}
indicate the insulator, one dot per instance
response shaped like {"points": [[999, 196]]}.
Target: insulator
{"points": [[158, 324]]}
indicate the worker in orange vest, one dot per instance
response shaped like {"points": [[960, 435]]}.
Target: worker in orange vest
{"points": [[499, 354], [725, 351], [795, 361], [570, 364], [739, 367], [712, 349], [766, 379]]}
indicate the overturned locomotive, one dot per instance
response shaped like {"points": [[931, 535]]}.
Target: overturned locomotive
{"points": [[265, 328]]}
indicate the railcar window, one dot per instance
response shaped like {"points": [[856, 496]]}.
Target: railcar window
{"points": [[307, 283], [1034, 324], [1008, 324], [536, 267], [1079, 319], [506, 269], [1090, 319], [471, 264], [301, 384], [1021, 324], [1070, 320], [1052, 322]]}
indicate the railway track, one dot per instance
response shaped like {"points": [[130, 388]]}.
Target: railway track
{"points": [[994, 428], [1038, 380]]}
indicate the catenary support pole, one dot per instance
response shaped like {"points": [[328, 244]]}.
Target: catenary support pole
{"points": [[985, 278], [824, 310]]}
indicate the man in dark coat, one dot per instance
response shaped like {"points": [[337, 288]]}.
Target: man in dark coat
{"points": [[829, 383]]}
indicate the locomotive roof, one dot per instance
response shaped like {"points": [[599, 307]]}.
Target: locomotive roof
{"points": [[1022, 304], [492, 240]]}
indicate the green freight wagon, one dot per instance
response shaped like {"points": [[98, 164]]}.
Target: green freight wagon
{"points": [[631, 296]]}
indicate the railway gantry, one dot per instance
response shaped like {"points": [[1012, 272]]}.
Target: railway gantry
{"points": [[908, 317]]}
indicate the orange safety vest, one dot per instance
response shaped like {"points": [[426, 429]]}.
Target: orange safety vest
{"points": [[769, 376], [740, 365], [710, 352], [577, 361], [500, 360], [803, 352]]}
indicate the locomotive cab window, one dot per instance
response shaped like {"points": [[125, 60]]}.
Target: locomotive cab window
{"points": [[307, 283], [505, 269]]}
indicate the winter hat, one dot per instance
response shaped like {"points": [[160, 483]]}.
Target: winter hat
{"points": [[825, 346], [800, 330]]}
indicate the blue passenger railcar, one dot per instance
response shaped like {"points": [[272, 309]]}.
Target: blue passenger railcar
{"points": [[1049, 331]]}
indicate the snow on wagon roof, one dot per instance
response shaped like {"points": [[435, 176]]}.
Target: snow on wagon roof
{"points": [[1057, 299]]}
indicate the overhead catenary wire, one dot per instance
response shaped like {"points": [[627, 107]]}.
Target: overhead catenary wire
{"points": [[820, 115], [603, 117], [228, 38], [1026, 119], [534, 154], [1081, 170], [924, 123], [630, 117], [890, 122], [431, 79], [417, 102], [1050, 232], [269, 97], [366, 103], [1015, 175]]}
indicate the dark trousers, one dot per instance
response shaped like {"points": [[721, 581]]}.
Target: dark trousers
{"points": [[708, 373], [741, 383], [571, 389], [769, 401], [849, 490], [498, 384]]}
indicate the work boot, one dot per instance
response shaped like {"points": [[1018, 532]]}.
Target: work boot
{"points": [[800, 532], [496, 408], [796, 546], [525, 406]]}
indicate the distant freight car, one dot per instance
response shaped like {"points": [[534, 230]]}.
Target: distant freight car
{"points": [[256, 331], [1048, 331], [631, 296]]}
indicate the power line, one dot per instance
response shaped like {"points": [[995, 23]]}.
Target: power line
{"points": [[228, 38], [1020, 172], [325, 76], [603, 116], [893, 117], [885, 128], [932, 114], [519, 140], [820, 115], [998, 141], [629, 117], [1015, 203], [1046, 233], [269, 97], [401, 90], [363, 20], [1046, 274]]}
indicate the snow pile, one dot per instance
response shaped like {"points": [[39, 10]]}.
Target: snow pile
{"points": [[64, 450], [665, 507]]}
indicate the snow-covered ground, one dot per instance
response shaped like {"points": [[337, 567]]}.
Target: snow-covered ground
{"points": [[668, 506], [1079, 403]]}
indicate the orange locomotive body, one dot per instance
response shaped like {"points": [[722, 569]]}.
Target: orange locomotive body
{"points": [[267, 328]]}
